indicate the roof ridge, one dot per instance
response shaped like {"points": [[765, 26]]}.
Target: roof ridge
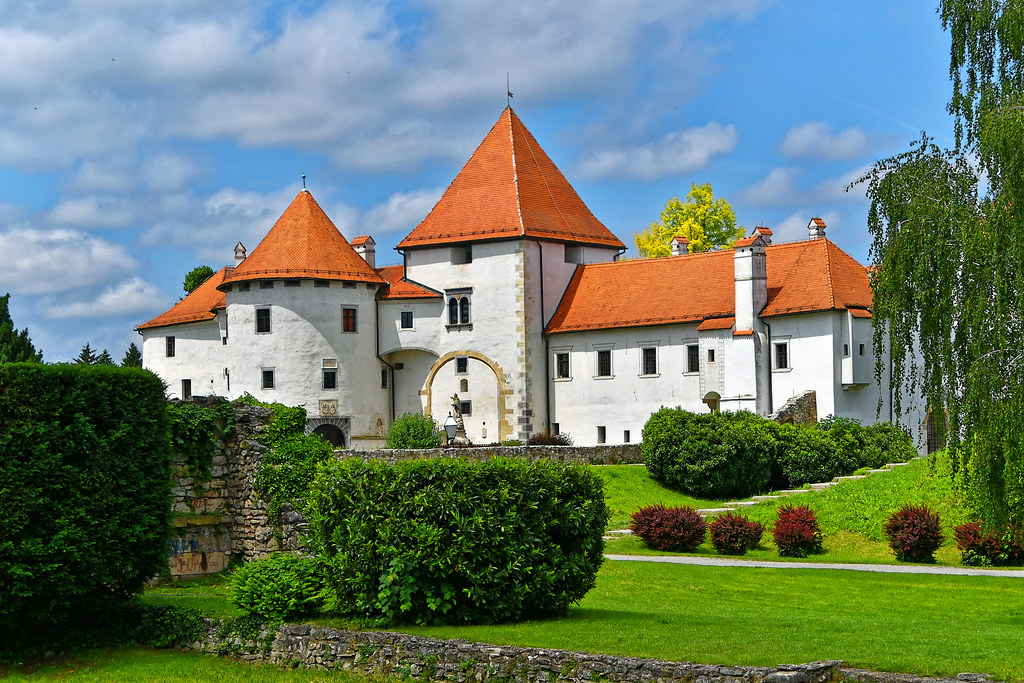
{"points": [[515, 171], [828, 272], [547, 185]]}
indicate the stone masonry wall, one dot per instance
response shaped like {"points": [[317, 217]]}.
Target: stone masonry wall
{"points": [[458, 661]]}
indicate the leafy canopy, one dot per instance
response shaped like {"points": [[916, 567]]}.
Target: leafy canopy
{"points": [[705, 221], [196, 277], [15, 345], [948, 240]]}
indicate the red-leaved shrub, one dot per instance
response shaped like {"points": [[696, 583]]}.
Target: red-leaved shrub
{"points": [[980, 547], [734, 534], [796, 531], [677, 529], [914, 533]]}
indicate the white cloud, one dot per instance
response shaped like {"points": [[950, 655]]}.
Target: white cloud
{"points": [[794, 227], [47, 261], [815, 140], [834, 189], [92, 176], [679, 151], [168, 172], [780, 188], [91, 212], [402, 211], [126, 298], [775, 189]]}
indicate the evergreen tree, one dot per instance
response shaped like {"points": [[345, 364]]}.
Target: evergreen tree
{"points": [[104, 358], [132, 357], [87, 356], [15, 345], [948, 242]]}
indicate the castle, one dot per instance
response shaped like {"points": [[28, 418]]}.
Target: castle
{"points": [[512, 296]]}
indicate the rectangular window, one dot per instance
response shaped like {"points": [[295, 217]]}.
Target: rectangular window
{"points": [[266, 284], [244, 286], [600, 434], [649, 361], [321, 283], [846, 350], [466, 407], [348, 285], [186, 389], [860, 349], [692, 358], [292, 283], [348, 320], [169, 347], [383, 377], [330, 373], [462, 254], [562, 365], [625, 436], [573, 254], [711, 355], [604, 363], [262, 320], [461, 365], [406, 320], [267, 376], [554, 428], [782, 356]]}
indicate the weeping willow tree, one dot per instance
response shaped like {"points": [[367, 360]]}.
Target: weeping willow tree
{"points": [[948, 243]]}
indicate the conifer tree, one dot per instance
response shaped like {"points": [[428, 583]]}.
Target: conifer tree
{"points": [[86, 356], [15, 345], [132, 357]]}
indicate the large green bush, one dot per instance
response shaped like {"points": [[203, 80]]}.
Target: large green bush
{"points": [[84, 495], [452, 541], [414, 430], [279, 586], [806, 455], [709, 455]]}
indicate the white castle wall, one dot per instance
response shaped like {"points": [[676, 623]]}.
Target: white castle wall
{"points": [[198, 356]]}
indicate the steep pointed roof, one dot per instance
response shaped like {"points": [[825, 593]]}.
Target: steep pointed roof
{"points": [[510, 188], [304, 243], [201, 304], [803, 277]]}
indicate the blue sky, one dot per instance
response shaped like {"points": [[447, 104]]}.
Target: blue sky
{"points": [[139, 138]]}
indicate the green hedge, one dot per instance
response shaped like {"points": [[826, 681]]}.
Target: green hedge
{"points": [[84, 495], [453, 541]]}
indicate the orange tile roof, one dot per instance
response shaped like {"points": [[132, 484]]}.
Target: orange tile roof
{"points": [[400, 288], [717, 324], [746, 241], [509, 188], [362, 239], [763, 230], [199, 306], [304, 244], [813, 275]]}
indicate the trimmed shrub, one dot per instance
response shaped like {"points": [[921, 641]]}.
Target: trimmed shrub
{"points": [[806, 455], [84, 471], [548, 439], [447, 540], [734, 534], [676, 529], [710, 455], [885, 442], [278, 587], [987, 547], [796, 532], [414, 430], [914, 533]]}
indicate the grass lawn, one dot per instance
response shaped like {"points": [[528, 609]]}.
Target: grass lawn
{"points": [[931, 625], [139, 664], [630, 487], [208, 594]]}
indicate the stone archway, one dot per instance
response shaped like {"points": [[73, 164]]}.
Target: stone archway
{"points": [[711, 400], [503, 392], [334, 430]]}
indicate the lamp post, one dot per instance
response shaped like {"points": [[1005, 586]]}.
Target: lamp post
{"points": [[450, 427]]}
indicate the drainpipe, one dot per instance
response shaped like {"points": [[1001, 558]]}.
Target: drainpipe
{"points": [[771, 402], [544, 336], [376, 330]]}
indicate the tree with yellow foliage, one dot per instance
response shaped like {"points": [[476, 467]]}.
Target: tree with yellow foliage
{"points": [[705, 221]]}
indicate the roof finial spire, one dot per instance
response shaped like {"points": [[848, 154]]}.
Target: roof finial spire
{"points": [[303, 181], [508, 92]]}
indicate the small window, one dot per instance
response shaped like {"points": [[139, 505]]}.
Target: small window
{"points": [[348, 320], [860, 349], [464, 310], [604, 363], [601, 434], [267, 378], [462, 254], [169, 347], [625, 436], [782, 356], [262, 320], [348, 285], [186, 389], [244, 286], [458, 308], [649, 361], [466, 407], [554, 429], [406, 320], [562, 365], [330, 373], [383, 377], [846, 350], [321, 283], [399, 366], [453, 311], [266, 284], [464, 385], [711, 355], [293, 283], [573, 254], [692, 358], [461, 365]]}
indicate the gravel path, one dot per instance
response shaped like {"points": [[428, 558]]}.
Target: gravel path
{"points": [[879, 568]]}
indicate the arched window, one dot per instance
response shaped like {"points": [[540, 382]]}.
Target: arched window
{"points": [[464, 310], [453, 311]]}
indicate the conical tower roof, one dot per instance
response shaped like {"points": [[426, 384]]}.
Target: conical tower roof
{"points": [[509, 188], [303, 243]]}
